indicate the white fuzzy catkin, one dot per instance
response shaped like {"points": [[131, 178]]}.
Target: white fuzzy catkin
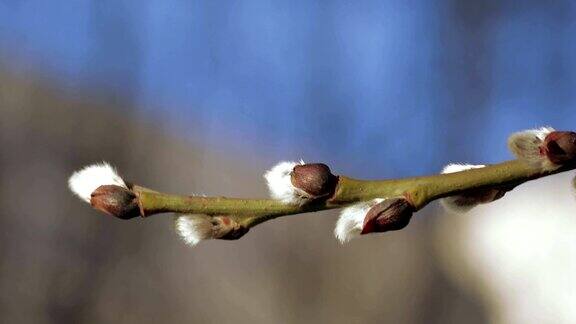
{"points": [[83, 182], [525, 145], [351, 220], [280, 184], [459, 204], [194, 228]]}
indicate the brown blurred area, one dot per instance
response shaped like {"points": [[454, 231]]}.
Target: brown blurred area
{"points": [[62, 262]]}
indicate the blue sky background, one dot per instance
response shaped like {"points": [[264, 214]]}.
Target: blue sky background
{"points": [[376, 88]]}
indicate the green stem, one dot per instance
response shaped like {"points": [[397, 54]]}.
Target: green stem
{"points": [[153, 203], [419, 190]]}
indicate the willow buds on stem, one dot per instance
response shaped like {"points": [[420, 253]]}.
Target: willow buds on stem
{"points": [[465, 201], [389, 215], [351, 221], [315, 179], [101, 186], [374, 216], [300, 183], [370, 206], [560, 147], [116, 201], [527, 145], [195, 228], [544, 147]]}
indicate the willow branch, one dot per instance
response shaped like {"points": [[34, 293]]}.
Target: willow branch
{"points": [[420, 191], [296, 188]]}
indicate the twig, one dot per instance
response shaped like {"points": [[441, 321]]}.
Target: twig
{"points": [[420, 191], [301, 188]]}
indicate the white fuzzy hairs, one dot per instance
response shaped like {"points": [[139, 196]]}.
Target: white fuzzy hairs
{"points": [[279, 182], [525, 145], [194, 228], [83, 182], [351, 220]]}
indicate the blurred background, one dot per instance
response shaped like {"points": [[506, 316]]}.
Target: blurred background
{"points": [[203, 96]]}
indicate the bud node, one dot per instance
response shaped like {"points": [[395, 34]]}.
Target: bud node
{"points": [[315, 179], [389, 215], [116, 201], [560, 147]]}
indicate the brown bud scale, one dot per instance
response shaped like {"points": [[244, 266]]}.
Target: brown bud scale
{"points": [[225, 228], [390, 215], [315, 179], [560, 147], [116, 201]]}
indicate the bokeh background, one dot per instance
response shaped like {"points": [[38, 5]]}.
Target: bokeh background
{"points": [[203, 96]]}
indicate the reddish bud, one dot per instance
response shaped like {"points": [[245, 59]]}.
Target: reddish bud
{"points": [[315, 179], [390, 215], [116, 201], [226, 228], [560, 147]]}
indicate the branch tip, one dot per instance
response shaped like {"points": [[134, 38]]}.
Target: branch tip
{"points": [[84, 181], [116, 201], [560, 147]]}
